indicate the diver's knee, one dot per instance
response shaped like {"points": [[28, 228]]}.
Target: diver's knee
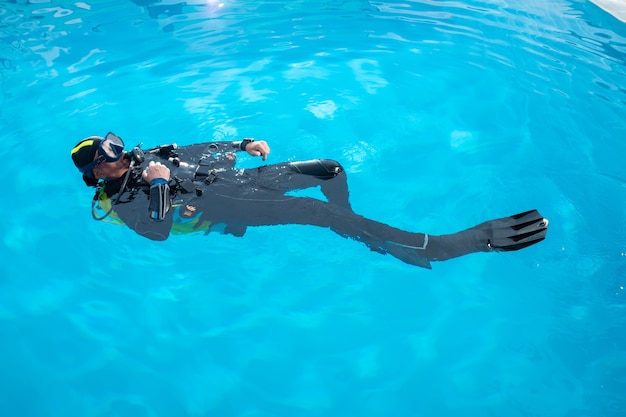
{"points": [[332, 166], [320, 168]]}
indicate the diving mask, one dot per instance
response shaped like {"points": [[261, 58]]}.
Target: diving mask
{"points": [[110, 149]]}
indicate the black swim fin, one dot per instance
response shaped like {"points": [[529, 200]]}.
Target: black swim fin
{"points": [[517, 231], [499, 235]]}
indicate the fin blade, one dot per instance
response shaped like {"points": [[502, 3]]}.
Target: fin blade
{"points": [[518, 231]]}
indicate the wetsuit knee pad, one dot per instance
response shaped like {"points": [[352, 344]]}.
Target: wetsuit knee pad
{"points": [[319, 168]]}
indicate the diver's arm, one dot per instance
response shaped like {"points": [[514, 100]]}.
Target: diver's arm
{"points": [[259, 148], [134, 214], [153, 230], [249, 145], [158, 175], [157, 222], [160, 200]]}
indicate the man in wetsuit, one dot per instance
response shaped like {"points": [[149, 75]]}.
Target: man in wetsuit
{"points": [[197, 188]]}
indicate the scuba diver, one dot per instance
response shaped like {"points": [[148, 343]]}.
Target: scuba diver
{"points": [[197, 188]]}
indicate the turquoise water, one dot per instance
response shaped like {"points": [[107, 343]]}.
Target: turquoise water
{"points": [[444, 114]]}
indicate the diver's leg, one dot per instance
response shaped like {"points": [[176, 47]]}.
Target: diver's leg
{"points": [[329, 175], [259, 208]]}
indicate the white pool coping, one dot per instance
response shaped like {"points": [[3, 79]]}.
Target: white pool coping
{"points": [[616, 7]]}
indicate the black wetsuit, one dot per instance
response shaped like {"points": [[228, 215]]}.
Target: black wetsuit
{"points": [[206, 185]]}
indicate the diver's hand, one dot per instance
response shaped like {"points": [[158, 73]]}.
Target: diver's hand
{"points": [[258, 148], [155, 170]]}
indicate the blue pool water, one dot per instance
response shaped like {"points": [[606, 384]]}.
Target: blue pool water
{"points": [[444, 114]]}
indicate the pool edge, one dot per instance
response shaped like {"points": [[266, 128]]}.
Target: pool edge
{"points": [[617, 8]]}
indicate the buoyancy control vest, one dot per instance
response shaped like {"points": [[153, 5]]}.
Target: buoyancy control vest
{"points": [[192, 169]]}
